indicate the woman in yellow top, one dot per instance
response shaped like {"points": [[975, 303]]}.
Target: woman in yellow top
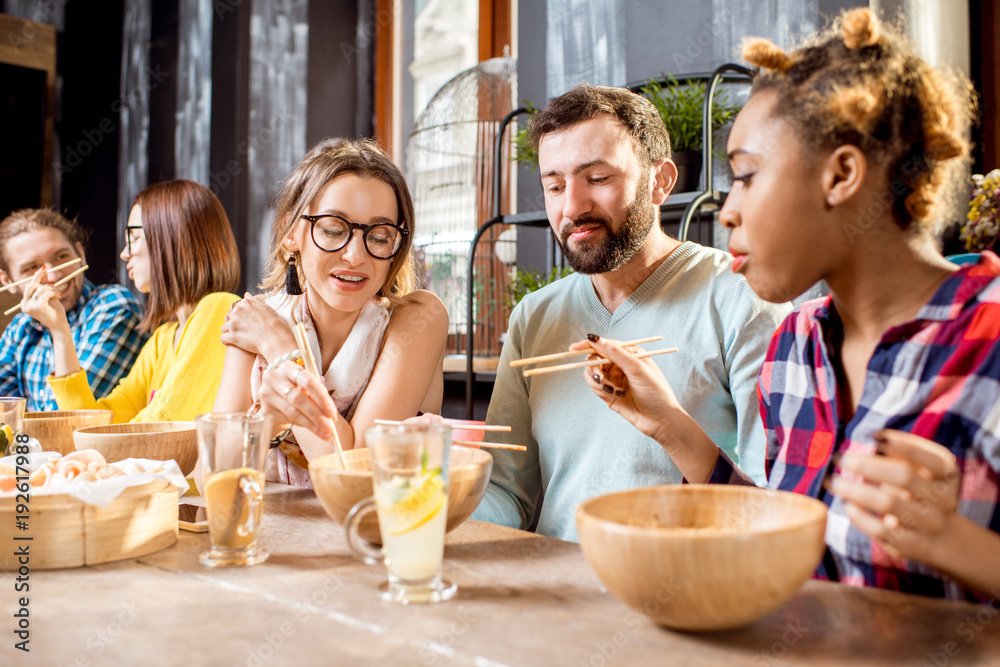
{"points": [[181, 252]]}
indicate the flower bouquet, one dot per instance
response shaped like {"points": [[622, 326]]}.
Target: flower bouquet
{"points": [[982, 228]]}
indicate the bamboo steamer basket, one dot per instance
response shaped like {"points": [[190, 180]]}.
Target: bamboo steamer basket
{"points": [[702, 557], [143, 440], [66, 532], [55, 429], [339, 490]]}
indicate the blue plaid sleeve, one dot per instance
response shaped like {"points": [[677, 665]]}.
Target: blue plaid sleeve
{"points": [[9, 384], [108, 340]]}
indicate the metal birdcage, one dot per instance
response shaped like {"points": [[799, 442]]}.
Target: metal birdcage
{"points": [[451, 169]]}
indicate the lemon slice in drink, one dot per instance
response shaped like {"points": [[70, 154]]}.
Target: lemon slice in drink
{"points": [[420, 505], [6, 439]]}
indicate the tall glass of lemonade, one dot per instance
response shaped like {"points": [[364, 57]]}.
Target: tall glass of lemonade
{"points": [[409, 465]]}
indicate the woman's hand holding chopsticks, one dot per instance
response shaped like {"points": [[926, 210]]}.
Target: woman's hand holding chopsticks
{"points": [[635, 388], [293, 395]]}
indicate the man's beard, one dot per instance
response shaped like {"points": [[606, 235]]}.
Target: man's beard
{"points": [[619, 247]]}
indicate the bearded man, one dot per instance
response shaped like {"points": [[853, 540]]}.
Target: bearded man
{"points": [[604, 158]]}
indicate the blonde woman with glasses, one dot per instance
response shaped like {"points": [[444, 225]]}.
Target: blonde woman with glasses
{"points": [[340, 263]]}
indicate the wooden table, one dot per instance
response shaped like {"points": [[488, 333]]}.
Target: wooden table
{"points": [[523, 600]]}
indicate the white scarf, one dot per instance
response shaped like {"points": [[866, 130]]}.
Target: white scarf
{"points": [[349, 372]]}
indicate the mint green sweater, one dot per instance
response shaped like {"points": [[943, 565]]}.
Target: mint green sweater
{"points": [[577, 446]]}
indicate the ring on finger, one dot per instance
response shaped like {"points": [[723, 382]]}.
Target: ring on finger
{"points": [[295, 377], [288, 391]]}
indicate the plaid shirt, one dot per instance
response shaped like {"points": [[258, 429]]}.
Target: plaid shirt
{"points": [[937, 376], [104, 328]]}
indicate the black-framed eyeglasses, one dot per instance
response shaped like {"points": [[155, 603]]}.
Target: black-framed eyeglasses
{"points": [[129, 229], [331, 233]]}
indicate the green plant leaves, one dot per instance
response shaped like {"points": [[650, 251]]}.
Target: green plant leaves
{"points": [[681, 107], [527, 281]]}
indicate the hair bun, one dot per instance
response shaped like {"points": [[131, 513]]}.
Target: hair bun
{"points": [[765, 53], [858, 106], [859, 28]]}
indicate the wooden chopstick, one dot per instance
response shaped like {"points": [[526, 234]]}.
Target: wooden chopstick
{"points": [[54, 268], [59, 283], [65, 279], [457, 425], [303, 342], [593, 362], [494, 445], [573, 353]]}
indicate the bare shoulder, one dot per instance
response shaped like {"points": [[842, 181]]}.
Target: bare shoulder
{"points": [[421, 323], [423, 306]]}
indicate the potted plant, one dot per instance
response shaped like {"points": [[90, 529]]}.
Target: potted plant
{"points": [[681, 107], [526, 281], [981, 230]]}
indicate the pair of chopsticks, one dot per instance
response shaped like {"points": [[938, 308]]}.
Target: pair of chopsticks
{"points": [[303, 342], [462, 426], [584, 364], [59, 283], [29, 278]]}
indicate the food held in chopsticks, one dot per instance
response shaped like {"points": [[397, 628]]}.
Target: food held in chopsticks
{"points": [[593, 362]]}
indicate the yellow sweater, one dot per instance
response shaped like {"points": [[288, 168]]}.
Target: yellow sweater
{"points": [[165, 384]]}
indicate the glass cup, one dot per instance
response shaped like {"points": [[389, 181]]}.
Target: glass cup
{"points": [[232, 449], [11, 422], [409, 465]]}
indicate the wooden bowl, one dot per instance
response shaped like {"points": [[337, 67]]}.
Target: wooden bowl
{"points": [[69, 533], [143, 440], [702, 557], [339, 490], [55, 429]]}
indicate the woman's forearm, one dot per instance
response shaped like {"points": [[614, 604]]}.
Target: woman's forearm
{"points": [[970, 554], [690, 448], [65, 360]]}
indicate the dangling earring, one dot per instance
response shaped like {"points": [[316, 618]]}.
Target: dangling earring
{"points": [[292, 285]]}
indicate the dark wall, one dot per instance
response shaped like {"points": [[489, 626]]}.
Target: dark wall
{"points": [[87, 126], [333, 67]]}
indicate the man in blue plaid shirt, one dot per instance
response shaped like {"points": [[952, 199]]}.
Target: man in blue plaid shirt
{"points": [[103, 321]]}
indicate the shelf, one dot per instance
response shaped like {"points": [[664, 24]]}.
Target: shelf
{"points": [[456, 363]]}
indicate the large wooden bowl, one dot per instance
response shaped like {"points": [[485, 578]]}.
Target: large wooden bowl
{"points": [[702, 557], [55, 429], [339, 490], [143, 440], [69, 533]]}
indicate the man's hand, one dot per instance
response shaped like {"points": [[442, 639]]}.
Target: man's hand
{"points": [[41, 302]]}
